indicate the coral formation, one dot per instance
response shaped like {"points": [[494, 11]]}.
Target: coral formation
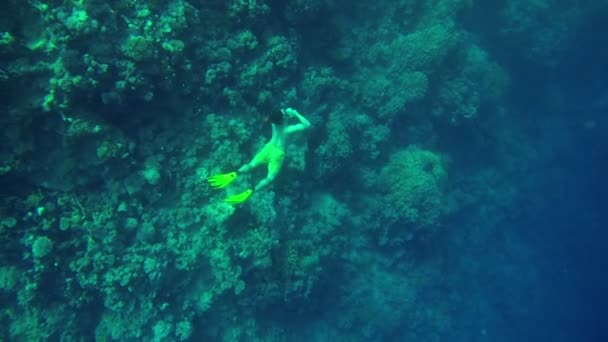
{"points": [[115, 112]]}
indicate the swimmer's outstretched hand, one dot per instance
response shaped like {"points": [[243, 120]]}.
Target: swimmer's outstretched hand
{"points": [[239, 198], [290, 112], [220, 181]]}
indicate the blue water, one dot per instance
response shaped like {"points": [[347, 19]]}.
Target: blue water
{"points": [[552, 285]]}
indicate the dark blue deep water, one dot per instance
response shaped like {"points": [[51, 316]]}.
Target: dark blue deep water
{"points": [[303, 170]]}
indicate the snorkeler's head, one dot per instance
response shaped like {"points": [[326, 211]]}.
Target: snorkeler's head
{"points": [[275, 115]]}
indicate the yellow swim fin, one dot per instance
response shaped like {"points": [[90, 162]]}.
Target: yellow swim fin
{"points": [[239, 198], [220, 181]]}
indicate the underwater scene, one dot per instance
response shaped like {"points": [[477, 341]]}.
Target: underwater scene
{"points": [[303, 170]]}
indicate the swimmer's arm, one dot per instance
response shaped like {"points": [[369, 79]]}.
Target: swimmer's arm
{"points": [[304, 123]]}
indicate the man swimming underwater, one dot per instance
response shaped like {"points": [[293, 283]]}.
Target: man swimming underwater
{"points": [[272, 154]]}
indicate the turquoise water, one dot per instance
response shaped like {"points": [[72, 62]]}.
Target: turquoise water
{"points": [[442, 180]]}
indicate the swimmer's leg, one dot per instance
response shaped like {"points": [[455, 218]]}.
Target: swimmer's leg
{"points": [[273, 171], [255, 162], [259, 159]]}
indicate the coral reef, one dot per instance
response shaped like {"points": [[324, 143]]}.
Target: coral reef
{"points": [[114, 113]]}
